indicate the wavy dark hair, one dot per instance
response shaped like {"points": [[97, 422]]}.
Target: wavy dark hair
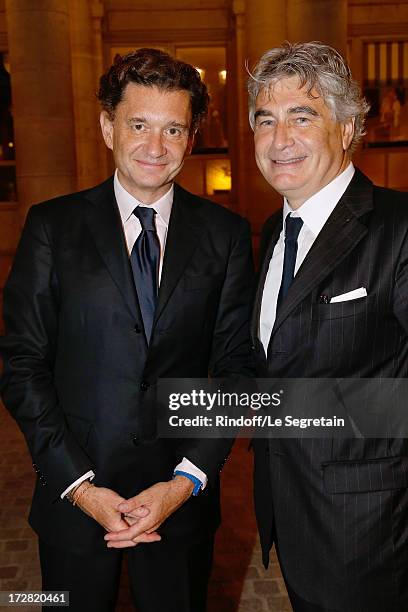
{"points": [[153, 68]]}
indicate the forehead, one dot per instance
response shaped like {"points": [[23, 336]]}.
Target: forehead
{"points": [[154, 100], [287, 93]]}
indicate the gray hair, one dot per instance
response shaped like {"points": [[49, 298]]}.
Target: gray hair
{"points": [[321, 68]]}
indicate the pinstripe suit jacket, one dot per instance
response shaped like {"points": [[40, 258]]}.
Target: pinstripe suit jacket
{"points": [[338, 509]]}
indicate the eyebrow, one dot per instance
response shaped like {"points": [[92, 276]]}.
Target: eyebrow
{"points": [[170, 124], [303, 109], [137, 120], [294, 110], [262, 113], [177, 124]]}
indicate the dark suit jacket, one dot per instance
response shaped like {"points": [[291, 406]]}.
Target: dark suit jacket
{"points": [[78, 370], [338, 509]]}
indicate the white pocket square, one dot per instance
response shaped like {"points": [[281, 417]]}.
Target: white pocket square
{"points": [[351, 295]]}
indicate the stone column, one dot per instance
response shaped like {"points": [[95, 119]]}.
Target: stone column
{"points": [[318, 20], [97, 12], [84, 80], [240, 108], [39, 48], [265, 28]]}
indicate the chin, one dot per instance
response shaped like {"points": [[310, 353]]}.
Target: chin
{"points": [[151, 179], [284, 185]]}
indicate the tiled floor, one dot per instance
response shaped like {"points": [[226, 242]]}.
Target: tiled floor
{"points": [[239, 583]]}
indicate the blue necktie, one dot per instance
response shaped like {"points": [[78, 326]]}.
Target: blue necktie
{"points": [[293, 225], [145, 260]]}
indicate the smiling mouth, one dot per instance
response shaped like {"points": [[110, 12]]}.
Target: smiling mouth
{"points": [[287, 162], [144, 162]]}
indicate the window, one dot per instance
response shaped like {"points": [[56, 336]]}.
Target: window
{"points": [[386, 89], [211, 63]]}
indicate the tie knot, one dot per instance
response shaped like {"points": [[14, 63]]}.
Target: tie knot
{"points": [[146, 217], [293, 225]]}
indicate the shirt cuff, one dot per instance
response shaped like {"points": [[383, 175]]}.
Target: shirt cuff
{"points": [[186, 466], [88, 476]]}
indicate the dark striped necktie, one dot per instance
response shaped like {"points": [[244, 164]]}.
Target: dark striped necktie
{"points": [[293, 225], [145, 259]]}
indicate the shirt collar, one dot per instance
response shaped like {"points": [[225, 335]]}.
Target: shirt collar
{"points": [[318, 208], [127, 203]]}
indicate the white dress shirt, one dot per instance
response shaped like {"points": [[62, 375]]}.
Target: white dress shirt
{"points": [[132, 229], [314, 213], [131, 224]]}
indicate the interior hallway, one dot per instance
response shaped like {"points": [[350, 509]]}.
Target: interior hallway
{"points": [[239, 582]]}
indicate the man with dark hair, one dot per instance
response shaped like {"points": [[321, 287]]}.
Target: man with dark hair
{"points": [[111, 289], [332, 302], [151, 67]]}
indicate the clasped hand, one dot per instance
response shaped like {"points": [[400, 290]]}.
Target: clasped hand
{"points": [[147, 511], [136, 520]]}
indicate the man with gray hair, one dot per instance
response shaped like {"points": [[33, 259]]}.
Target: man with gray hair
{"points": [[331, 302]]}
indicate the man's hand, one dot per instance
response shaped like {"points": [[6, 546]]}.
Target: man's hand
{"points": [[162, 499], [101, 504]]}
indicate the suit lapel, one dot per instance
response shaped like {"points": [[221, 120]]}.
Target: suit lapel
{"points": [[104, 222], [339, 236], [185, 227], [263, 271]]}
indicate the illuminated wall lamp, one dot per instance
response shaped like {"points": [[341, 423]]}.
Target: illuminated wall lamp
{"points": [[218, 177]]}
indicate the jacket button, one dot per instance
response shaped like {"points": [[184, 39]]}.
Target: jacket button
{"points": [[135, 438], [137, 329], [144, 385]]}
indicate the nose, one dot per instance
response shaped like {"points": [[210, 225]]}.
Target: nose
{"points": [[154, 144], [282, 136]]}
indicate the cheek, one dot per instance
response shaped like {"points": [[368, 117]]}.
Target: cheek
{"points": [[178, 153], [262, 145], [313, 140], [118, 146], [321, 147]]}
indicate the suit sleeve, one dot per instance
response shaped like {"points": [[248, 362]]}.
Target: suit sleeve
{"points": [[231, 348], [28, 350], [231, 355], [401, 287]]}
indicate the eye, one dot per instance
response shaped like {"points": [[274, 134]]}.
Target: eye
{"points": [[265, 123], [137, 127], [174, 131], [302, 120]]}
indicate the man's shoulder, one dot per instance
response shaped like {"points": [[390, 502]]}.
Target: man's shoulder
{"points": [[383, 199], [391, 210], [389, 199], [58, 205], [207, 209]]}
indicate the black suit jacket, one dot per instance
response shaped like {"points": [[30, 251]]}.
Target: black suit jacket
{"points": [[78, 371], [338, 508]]}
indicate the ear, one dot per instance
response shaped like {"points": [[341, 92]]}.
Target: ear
{"points": [[107, 129], [347, 133], [190, 142]]}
